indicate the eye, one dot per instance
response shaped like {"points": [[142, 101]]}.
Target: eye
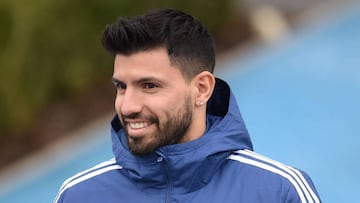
{"points": [[150, 85], [120, 86]]}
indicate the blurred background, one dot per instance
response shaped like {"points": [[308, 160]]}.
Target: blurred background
{"points": [[55, 75], [293, 66]]}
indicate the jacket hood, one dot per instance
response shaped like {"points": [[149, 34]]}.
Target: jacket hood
{"points": [[187, 166]]}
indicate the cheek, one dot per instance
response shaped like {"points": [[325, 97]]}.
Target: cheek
{"points": [[117, 104], [159, 107], [169, 106]]}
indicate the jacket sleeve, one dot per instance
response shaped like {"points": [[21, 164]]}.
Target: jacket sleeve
{"points": [[58, 198], [305, 192]]}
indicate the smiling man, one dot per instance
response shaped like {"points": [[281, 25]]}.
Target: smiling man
{"points": [[155, 102], [178, 135]]}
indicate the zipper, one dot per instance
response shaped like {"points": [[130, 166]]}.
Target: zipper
{"points": [[165, 168]]}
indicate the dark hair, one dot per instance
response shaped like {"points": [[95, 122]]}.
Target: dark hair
{"points": [[188, 42]]}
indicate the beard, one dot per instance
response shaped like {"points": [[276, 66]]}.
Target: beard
{"points": [[171, 131]]}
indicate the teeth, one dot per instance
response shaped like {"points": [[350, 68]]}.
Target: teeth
{"points": [[138, 125]]}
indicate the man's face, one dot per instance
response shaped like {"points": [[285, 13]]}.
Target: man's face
{"points": [[153, 100]]}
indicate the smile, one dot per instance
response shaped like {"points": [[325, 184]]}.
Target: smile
{"points": [[138, 125]]}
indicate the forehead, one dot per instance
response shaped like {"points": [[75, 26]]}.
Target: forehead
{"points": [[154, 63]]}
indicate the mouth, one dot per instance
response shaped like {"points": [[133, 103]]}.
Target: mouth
{"points": [[137, 129], [138, 125]]}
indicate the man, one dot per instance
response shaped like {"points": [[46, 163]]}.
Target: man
{"points": [[178, 135]]}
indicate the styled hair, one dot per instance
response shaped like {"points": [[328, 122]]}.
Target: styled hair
{"points": [[189, 44]]}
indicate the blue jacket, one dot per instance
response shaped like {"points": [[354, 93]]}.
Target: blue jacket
{"points": [[218, 167]]}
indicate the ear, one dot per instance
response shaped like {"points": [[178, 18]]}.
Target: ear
{"points": [[204, 84]]}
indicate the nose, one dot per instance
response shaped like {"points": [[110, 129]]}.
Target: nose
{"points": [[128, 103]]}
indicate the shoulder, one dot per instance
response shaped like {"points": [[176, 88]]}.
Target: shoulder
{"points": [[270, 170], [96, 171]]}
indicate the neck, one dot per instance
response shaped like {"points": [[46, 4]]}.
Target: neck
{"points": [[197, 127]]}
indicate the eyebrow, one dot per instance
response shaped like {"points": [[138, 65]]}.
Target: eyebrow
{"points": [[147, 79], [141, 80]]}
